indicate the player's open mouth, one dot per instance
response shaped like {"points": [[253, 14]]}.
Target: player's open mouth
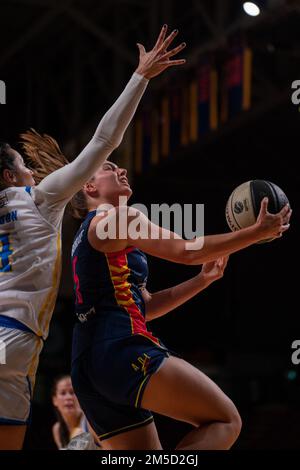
{"points": [[69, 406]]}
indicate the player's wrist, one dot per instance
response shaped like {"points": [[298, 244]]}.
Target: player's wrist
{"points": [[260, 230], [141, 71], [140, 75], [203, 280], [256, 231]]}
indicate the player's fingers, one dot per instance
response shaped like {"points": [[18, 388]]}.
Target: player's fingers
{"points": [[170, 63], [161, 36], [284, 228], [286, 219], [142, 50], [174, 51], [264, 205], [285, 210], [289, 214], [169, 39]]}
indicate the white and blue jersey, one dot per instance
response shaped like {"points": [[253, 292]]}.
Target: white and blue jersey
{"points": [[30, 254]]}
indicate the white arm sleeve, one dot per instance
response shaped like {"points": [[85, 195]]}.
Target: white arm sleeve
{"points": [[58, 188]]}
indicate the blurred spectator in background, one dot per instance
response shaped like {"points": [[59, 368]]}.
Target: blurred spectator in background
{"points": [[71, 421]]}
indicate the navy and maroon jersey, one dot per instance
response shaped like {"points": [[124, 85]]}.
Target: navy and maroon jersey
{"points": [[113, 354], [108, 285]]}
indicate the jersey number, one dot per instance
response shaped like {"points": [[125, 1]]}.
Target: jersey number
{"points": [[5, 252]]}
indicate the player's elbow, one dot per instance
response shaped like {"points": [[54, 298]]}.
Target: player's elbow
{"points": [[111, 143]]}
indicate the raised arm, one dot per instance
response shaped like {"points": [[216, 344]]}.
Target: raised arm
{"points": [[62, 184]]}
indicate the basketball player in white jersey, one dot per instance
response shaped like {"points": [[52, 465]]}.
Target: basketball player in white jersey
{"points": [[30, 238]]}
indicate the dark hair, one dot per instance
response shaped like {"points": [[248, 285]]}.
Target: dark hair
{"points": [[7, 162], [63, 430], [78, 205]]}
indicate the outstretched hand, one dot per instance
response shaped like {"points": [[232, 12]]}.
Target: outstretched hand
{"points": [[157, 60], [272, 225]]}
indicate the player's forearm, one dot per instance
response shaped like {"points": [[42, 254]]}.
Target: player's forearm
{"points": [[167, 300], [115, 122], [65, 182], [216, 246], [160, 242]]}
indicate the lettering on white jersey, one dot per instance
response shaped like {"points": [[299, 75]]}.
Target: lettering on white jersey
{"points": [[29, 264], [9, 217], [3, 200]]}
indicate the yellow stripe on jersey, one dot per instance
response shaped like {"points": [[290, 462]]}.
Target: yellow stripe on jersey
{"points": [[126, 427], [34, 362], [139, 391]]}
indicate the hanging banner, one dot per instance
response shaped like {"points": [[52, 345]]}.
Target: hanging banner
{"points": [[237, 75]]}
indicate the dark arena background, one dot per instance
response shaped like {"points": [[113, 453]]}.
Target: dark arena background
{"points": [[202, 129]]}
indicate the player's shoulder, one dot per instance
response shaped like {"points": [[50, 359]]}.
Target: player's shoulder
{"points": [[16, 189], [23, 191], [15, 194]]}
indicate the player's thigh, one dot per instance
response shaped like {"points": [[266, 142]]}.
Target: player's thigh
{"points": [[12, 437], [183, 392], [141, 438]]}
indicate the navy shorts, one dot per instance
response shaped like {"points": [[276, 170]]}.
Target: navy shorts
{"points": [[109, 380]]}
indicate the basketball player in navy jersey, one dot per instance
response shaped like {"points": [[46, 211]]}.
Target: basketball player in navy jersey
{"points": [[30, 235], [120, 371]]}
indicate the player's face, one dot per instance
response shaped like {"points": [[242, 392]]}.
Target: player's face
{"points": [[65, 399], [23, 175], [111, 182]]}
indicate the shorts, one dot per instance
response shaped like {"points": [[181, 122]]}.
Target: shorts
{"points": [[19, 354], [109, 380]]}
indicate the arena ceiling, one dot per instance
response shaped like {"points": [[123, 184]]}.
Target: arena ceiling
{"points": [[71, 58]]}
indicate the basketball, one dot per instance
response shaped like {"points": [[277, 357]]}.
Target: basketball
{"points": [[243, 206]]}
